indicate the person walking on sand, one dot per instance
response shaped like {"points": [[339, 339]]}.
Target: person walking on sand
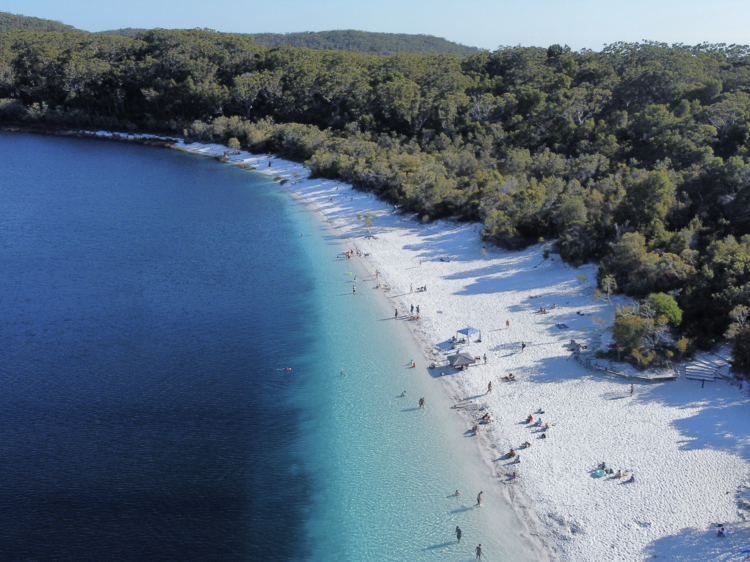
{"points": [[395, 315], [631, 390], [412, 309], [507, 323], [411, 288], [485, 360], [489, 387], [479, 498], [523, 346], [478, 550]]}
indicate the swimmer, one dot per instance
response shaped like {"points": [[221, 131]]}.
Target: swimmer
{"points": [[403, 393], [457, 493]]}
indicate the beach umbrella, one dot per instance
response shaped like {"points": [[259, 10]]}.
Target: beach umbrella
{"points": [[461, 359]]}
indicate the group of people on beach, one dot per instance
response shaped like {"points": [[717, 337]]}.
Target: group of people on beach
{"points": [[615, 475]]}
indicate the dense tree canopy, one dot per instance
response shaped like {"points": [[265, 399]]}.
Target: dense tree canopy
{"points": [[364, 42], [636, 155]]}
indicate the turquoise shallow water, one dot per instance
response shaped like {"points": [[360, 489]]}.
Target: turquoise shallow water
{"points": [[152, 303], [384, 469]]}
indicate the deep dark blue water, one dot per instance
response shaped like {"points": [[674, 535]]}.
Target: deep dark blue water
{"points": [[140, 337], [151, 303]]}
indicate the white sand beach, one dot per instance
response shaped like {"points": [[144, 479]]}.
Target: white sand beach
{"points": [[688, 444]]}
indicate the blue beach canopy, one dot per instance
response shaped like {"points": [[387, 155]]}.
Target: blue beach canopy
{"points": [[469, 331]]}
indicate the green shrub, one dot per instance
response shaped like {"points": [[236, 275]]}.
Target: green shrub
{"points": [[664, 305]]}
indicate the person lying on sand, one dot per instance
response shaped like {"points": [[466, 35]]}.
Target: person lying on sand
{"points": [[511, 454], [526, 445]]}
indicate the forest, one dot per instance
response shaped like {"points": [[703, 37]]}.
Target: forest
{"points": [[634, 157], [349, 40]]}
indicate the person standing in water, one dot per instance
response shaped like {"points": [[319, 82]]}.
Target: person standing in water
{"points": [[479, 498], [458, 533], [478, 550]]}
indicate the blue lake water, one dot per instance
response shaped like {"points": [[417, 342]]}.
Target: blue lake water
{"points": [[152, 302]]}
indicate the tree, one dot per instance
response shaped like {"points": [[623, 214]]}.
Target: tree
{"points": [[664, 305], [249, 87], [629, 330], [741, 351], [648, 199], [739, 316]]}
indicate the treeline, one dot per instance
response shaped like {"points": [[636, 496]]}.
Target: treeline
{"points": [[365, 42], [635, 156], [13, 22], [347, 40]]}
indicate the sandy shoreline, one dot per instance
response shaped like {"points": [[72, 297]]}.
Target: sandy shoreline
{"points": [[688, 445]]}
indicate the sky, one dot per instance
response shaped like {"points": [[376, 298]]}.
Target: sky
{"points": [[487, 24]]}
